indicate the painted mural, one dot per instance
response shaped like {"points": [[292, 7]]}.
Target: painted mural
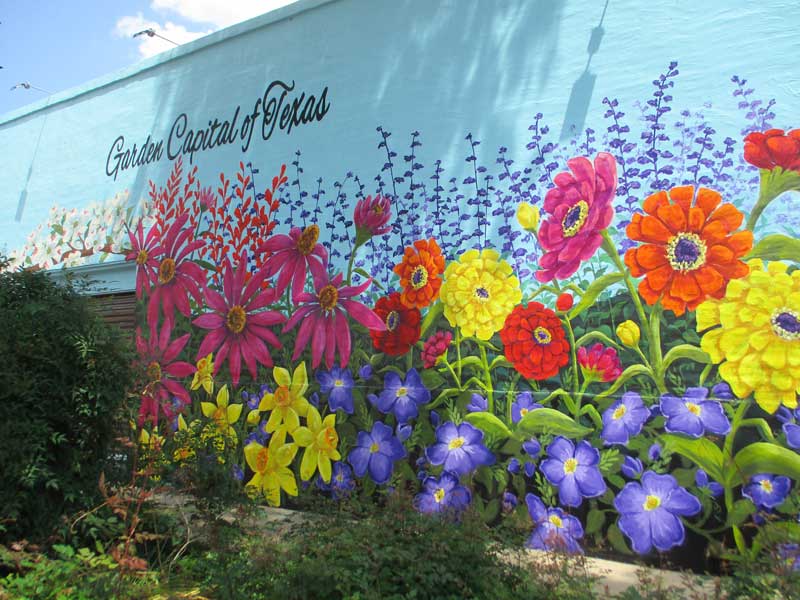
{"points": [[602, 333]]}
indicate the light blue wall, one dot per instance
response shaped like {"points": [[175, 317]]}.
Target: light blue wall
{"points": [[444, 69]]}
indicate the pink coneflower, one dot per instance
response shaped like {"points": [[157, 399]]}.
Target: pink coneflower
{"points": [[599, 363], [145, 251], [176, 276], [238, 324], [371, 216], [291, 254], [323, 319], [435, 346], [158, 355]]}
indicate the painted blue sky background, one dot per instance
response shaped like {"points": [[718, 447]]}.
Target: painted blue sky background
{"points": [[55, 44]]}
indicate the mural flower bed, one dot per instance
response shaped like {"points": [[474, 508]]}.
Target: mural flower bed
{"points": [[628, 407]]}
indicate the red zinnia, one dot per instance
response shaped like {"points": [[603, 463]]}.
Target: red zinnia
{"points": [[239, 324], [773, 148], [157, 354], [535, 342], [402, 325], [599, 363]]}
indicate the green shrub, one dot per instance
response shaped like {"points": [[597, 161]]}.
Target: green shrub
{"points": [[63, 379]]}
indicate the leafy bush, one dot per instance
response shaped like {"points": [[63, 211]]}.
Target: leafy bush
{"points": [[63, 379]]}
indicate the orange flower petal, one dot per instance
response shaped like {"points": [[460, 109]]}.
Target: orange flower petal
{"points": [[651, 256], [707, 200], [741, 242], [653, 231], [729, 215], [709, 279], [652, 202], [682, 196], [719, 254], [697, 218], [673, 217], [685, 287], [660, 277], [648, 293], [676, 305]]}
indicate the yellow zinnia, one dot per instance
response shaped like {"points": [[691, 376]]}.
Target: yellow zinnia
{"points": [[204, 376], [320, 440], [224, 415], [288, 402], [756, 334], [479, 292], [270, 466]]}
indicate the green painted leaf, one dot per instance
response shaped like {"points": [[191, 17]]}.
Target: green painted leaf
{"points": [[549, 420], [490, 511], [702, 452], [489, 424], [617, 540], [593, 291], [431, 379], [686, 351], [629, 373], [742, 509], [776, 247], [763, 457], [366, 275], [594, 521], [773, 533], [433, 314]]}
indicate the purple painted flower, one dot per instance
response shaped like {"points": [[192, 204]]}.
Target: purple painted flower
{"points": [[342, 482], [631, 467], [722, 391], [403, 397], [702, 481], [767, 491], [654, 452], [237, 473], [376, 452], [403, 431], [532, 447], [314, 399], [792, 432], [649, 512], [624, 418], [477, 403], [365, 372], [693, 415], [552, 528], [523, 405], [530, 469], [790, 554], [445, 494], [509, 502], [573, 470], [434, 418], [513, 466], [338, 384], [459, 448]]}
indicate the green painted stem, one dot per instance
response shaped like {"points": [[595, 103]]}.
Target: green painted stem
{"points": [[727, 451], [488, 375]]}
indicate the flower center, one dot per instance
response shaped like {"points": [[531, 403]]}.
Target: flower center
{"points": [[141, 258], [373, 448], [282, 397], [262, 460], [651, 502], [419, 277], [166, 270], [338, 383], [619, 412], [329, 438], [308, 239], [339, 478], [786, 324], [570, 465], [438, 495], [693, 408], [541, 336], [154, 371], [556, 520], [392, 320], [686, 252], [236, 319], [221, 416], [377, 209], [523, 412], [402, 391], [456, 443], [766, 485], [575, 218], [328, 297], [482, 294]]}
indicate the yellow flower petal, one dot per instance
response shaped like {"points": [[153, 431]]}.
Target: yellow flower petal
{"points": [[287, 481], [302, 436], [774, 355], [313, 418], [282, 377], [291, 420], [251, 452], [222, 396], [309, 463], [299, 381], [324, 464], [208, 409], [234, 411], [267, 402], [274, 421]]}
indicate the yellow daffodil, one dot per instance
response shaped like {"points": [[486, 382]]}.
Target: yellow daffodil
{"points": [[756, 334], [629, 334], [270, 468], [479, 292], [224, 415], [319, 440], [528, 217], [204, 376], [288, 402]]}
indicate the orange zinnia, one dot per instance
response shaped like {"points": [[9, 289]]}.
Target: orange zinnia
{"points": [[690, 252], [421, 273]]}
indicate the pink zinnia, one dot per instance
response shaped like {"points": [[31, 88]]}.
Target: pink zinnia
{"points": [[599, 363], [176, 276], [580, 209], [291, 255], [145, 251], [371, 216], [323, 320], [434, 347], [158, 355], [239, 325]]}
